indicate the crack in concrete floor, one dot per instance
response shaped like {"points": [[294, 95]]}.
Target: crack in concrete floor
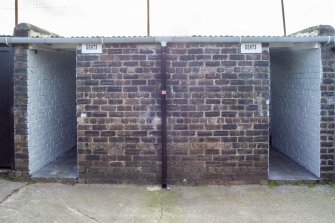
{"points": [[162, 209], [15, 191], [80, 213]]}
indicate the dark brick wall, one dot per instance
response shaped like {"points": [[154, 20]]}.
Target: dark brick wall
{"points": [[118, 92], [217, 114], [218, 123], [20, 111], [327, 124]]}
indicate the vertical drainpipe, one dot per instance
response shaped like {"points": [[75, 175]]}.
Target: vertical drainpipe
{"points": [[163, 117]]}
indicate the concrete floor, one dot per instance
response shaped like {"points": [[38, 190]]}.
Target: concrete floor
{"points": [[282, 167], [8, 187], [64, 167], [53, 202]]}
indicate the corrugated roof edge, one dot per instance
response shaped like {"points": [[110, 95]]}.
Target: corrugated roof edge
{"points": [[234, 39], [36, 35], [29, 30]]}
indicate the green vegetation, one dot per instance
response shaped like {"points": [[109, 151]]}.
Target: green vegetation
{"points": [[163, 202], [296, 183], [20, 99], [272, 184], [311, 184], [331, 184], [9, 177]]}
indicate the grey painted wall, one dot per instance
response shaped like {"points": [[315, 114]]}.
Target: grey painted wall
{"points": [[51, 106], [295, 105]]}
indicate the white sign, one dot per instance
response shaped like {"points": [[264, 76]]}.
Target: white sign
{"points": [[91, 48], [251, 48]]}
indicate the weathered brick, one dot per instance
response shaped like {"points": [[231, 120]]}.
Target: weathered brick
{"points": [[327, 127], [204, 110], [212, 63], [236, 57], [195, 51], [131, 76]]}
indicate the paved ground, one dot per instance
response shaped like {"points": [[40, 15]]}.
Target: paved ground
{"points": [[64, 167], [42, 202], [7, 188]]}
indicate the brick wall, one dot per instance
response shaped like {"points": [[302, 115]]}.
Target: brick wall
{"points": [[51, 106], [217, 114], [327, 124], [20, 111], [295, 105], [118, 106]]}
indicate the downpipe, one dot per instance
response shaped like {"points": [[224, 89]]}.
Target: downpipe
{"points": [[163, 112]]}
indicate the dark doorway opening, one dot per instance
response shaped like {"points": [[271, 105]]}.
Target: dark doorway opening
{"points": [[6, 105]]}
